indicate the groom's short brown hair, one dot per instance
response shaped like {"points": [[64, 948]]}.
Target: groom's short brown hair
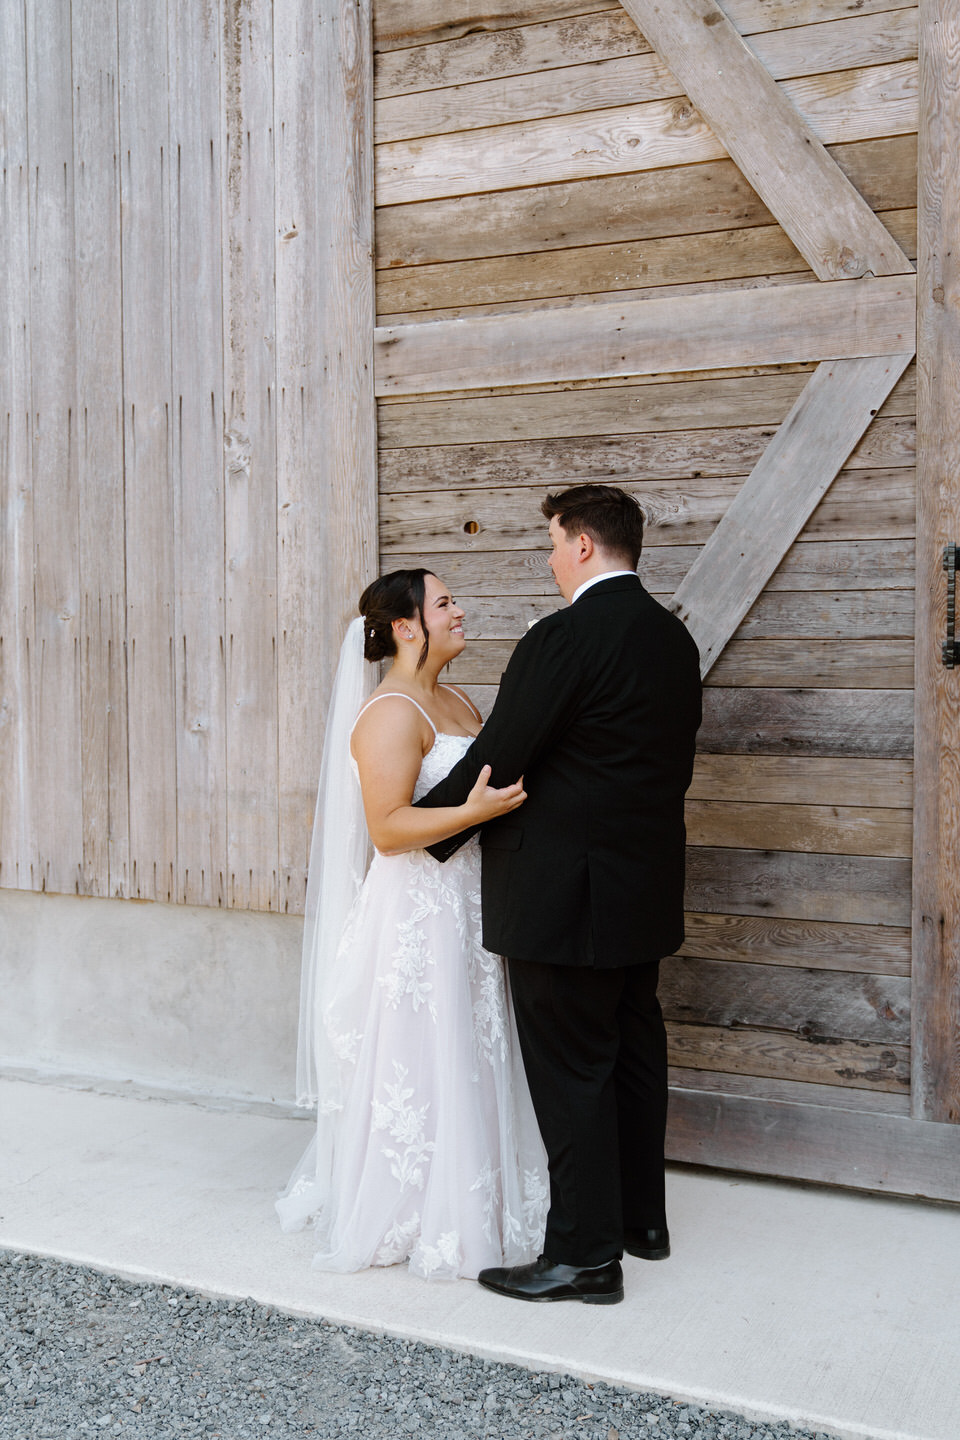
{"points": [[610, 516]]}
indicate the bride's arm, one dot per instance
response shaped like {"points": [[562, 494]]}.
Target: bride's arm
{"points": [[387, 745]]}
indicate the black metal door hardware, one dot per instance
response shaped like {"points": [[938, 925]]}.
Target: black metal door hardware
{"points": [[951, 646]]}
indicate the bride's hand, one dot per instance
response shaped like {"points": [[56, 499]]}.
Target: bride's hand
{"points": [[486, 803]]}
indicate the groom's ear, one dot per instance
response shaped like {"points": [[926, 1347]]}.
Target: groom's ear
{"points": [[586, 546]]}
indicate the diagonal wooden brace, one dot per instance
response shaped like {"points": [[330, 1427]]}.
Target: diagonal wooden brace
{"points": [[826, 218], [776, 500]]}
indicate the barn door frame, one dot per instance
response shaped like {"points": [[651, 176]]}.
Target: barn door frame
{"points": [[866, 326]]}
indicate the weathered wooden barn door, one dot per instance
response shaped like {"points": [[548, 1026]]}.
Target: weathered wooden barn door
{"points": [[670, 246]]}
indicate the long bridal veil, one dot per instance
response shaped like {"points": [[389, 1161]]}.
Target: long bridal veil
{"points": [[339, 855]]}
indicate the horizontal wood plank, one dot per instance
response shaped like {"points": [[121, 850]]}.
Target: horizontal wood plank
{"points": [[843, 724], [400, 24], [816, 664], [604, 269], [605, 34], [844, 614], [811, 565], [501, 310], [622, 209], [397, 25], [655, 456], [823, 945], [813, 615], [798, 1092], [847, 105], [783, 779], [608, 411], [862, 1064], [873, 503], [860, 890], [867, 723], [868, 665], [727, 399], [891, 1153], [625, 77], [783, 667], [841, 319], [836, 829], [527, 49], [814, 1005]]}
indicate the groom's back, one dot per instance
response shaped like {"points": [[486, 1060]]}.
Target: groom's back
{"points": [[591, 869]]}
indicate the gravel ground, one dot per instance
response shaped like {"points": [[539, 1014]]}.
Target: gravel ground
{"points": [[84, 1354]]}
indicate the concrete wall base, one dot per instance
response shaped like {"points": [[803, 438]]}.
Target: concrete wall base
{"points": [[167, 997]]}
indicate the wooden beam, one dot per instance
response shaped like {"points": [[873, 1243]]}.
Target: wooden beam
{"points": [[721, 328], [763, 132], [796, 469], [936, 872]]}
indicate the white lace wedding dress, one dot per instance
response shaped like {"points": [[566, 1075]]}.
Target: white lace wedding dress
{"points": [[431, 1151]]}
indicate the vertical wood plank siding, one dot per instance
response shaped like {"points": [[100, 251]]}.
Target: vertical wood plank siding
{"points": [[19, 853], [327, 477], [56, 578], [179, 549], [250, 480], [196, 232], [785, 875], [148, 445], [99, 321]]}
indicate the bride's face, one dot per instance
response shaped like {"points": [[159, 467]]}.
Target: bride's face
{"points": [[444, 620]]}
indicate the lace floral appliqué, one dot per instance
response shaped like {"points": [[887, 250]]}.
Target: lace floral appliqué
{"points": [[406, 1124]]}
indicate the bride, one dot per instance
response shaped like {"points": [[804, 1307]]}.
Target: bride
{"points": [[426, 1147]]}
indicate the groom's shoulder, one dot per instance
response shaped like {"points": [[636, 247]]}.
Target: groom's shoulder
{"points": [[541, 636]]}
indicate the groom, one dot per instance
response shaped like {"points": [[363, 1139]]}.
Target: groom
{"points": [[583, 886]]}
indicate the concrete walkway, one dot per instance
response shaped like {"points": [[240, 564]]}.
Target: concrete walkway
{"points": [[831, 1310]]}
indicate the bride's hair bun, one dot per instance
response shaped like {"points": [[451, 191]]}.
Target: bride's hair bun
{"points": [[397, 596]]}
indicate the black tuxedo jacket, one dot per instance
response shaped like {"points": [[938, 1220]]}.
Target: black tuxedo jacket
{"points": [[598, 710]]}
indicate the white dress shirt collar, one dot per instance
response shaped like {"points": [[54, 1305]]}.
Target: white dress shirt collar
{"points": [[595, 580]]}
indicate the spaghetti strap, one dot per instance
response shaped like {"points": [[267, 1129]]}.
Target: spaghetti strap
{"points": [[387, 694], [454, 691]]}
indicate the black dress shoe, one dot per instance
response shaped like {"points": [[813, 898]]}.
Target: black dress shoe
{"points": [[652, 1244], [543, 1280]]}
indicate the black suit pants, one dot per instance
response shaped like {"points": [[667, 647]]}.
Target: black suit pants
{"points": [[595, 1052]]}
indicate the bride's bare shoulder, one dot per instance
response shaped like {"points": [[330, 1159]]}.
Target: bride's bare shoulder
{"points": [[392, 720]]}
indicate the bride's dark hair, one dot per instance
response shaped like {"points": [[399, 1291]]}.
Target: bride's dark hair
{"points": [[397, 596]]}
